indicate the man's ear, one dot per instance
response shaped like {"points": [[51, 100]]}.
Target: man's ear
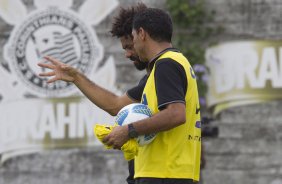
{"points": [[142, 33]]}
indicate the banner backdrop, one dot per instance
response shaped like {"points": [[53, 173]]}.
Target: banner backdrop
{"points": [[35, 115], [244, 72]]}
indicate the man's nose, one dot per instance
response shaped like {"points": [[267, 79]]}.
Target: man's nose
{"points": [[128, 54]]}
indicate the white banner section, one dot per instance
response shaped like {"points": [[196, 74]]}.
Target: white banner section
{"points": [[244, 72], [49, 123], [35, 115]]}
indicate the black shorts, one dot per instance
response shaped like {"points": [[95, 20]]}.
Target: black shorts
{"points": [[163, 181], [130, 178]]}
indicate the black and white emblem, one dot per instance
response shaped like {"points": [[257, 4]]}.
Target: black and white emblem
{"points": [[56, 33]]}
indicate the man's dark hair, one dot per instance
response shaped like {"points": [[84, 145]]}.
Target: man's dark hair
{"points": [[156, 22], [122, 24]]}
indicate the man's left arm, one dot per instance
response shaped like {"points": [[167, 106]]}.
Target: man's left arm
{"points": [[172, 116]]}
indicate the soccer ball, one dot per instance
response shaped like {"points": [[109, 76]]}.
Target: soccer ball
{"points": [[135, 112]]}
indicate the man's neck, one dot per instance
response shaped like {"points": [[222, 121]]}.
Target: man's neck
{"points": [[156, 48]]}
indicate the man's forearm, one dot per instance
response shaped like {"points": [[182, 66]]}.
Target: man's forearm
{"points": [[101, 97], [171, 117]]}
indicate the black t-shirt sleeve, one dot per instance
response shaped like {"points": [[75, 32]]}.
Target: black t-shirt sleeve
{"points": [[135, 93], [171, 82]]}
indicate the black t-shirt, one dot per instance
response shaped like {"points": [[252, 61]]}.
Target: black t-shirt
{"points": [[171, 83], [135, 93]]}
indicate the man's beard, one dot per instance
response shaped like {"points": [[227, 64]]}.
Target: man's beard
{"points": [[139, 65]]}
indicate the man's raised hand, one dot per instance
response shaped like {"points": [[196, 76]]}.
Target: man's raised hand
{"points": [[59, 70]]}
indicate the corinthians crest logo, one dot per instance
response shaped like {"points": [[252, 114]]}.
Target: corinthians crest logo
{"points": [[57, 32], [54, 33]]}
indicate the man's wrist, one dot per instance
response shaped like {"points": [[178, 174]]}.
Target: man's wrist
{"points": [[77, 77], [132, 133]]}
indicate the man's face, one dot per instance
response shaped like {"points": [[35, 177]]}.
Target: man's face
{"points": [[130, 53], [138, 45]]}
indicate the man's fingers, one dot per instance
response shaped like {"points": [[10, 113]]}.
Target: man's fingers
{"points": [[45, 65], [116, 147], [52, 80], [47, 74], [105, 139], [53, 60], [108, 141]]}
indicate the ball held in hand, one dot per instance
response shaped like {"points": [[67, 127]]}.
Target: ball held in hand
{"points": [[132, 113]]}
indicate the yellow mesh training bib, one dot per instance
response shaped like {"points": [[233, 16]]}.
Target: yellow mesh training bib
{"points": [[174, 153]]}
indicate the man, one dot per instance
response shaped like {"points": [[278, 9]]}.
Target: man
{"points": [[171, 93], [122, 29]]}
